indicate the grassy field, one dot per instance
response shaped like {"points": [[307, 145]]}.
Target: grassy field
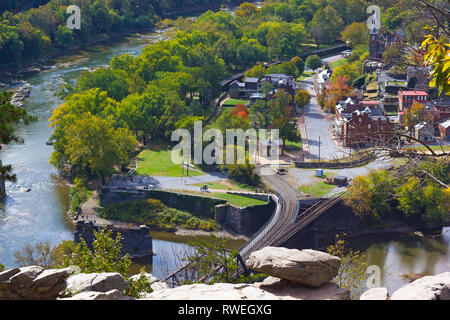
{"points": [[305, 75], [291, 145], [235, 200], [337, 63], [227, 185], [318, 189], [232, 102], [156, 160]]}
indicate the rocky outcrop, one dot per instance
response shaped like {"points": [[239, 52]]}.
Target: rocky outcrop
{"points": [[427, 288], [92, 295], [375, 294], [32, 283], [218, 291], [97, 282], [271, 289], [308, 267], [289, 290]]}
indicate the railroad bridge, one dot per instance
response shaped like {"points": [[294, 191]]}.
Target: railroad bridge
{"points": [[286, 225]]}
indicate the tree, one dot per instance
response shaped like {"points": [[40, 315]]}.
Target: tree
{"points": [[105, 256], [257, 71], [438, 58], [302, 98], [239, 108], [350, 70], [39, 255], [353, 268], [356, 34], [330, 22], [94, 144], [229, 121], [369, 195], [9, 117], [300, 64], [313, 62], [392, 54], [247, 10]]}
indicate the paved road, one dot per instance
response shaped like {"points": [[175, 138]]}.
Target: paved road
{"points": [[318, 127], [182, 183]]}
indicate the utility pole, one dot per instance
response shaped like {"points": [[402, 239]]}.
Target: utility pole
{"points": [[319, 149]]}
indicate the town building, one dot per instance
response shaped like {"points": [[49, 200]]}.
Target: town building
{"points": [[280, 81], [407, 98], [365, 129], [380, 41], [243, 90], [444, 129], [424, 131], [321, 79], [251, 87], [442, 106], [418, 77]]}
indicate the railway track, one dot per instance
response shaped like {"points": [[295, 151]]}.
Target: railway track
{"points": [[286, 209]]}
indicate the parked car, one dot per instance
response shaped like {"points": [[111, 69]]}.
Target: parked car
{"points": [[282, 172]]}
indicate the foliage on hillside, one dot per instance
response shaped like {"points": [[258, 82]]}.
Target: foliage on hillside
{"points": [[156, 215]]}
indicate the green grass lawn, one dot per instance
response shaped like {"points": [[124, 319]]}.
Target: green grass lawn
{"points": [[227, 185], [232, 102], [156, 160], [291, 145], [337, 63], [233, 199], [305, 75], [318, 189]]}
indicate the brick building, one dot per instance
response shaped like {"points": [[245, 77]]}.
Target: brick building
{"points": [[364, 130], [407, 98]]}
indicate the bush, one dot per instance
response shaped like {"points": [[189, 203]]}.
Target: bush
{"points": [[155, 214], [244, 173]]}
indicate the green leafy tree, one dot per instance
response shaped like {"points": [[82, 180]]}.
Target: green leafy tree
{"points": [[9, 117], [94, 144], [314, 62], [329, 20], [300, 64], [105, 256], [257, 71], [302, 98], [352, 272], [356, 34]]}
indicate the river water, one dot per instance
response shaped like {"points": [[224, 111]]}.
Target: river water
{"points": [[39, 215]]}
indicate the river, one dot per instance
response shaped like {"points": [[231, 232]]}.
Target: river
{"points": [[39, 215]]}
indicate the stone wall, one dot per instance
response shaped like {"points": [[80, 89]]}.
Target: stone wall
{"points": [[339, 220], [136, 241], [244, 221], [197, 205]]}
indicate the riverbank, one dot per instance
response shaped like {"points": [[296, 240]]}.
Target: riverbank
{"points": [[40, 62], [88, 214]]}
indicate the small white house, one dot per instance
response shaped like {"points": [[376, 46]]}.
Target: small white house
{"points": [[424, 132]]}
